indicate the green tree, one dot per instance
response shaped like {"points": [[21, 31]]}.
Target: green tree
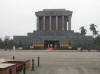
{"points": [[97, 40], [6, 42], [83, 31], [1, 43], [93, 29], [20, 44], [11, 43]]}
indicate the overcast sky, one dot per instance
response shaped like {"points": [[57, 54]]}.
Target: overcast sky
{"points": [[17, 17]]}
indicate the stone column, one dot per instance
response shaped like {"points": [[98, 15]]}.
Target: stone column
{"points": [[62, 22], [50, 23], [37, 22], [44, 23], [69, 23], [56, 22]]}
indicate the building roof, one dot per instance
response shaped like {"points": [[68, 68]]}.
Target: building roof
{"points": [[54, 12]]}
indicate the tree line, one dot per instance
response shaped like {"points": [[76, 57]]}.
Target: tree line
{"points": [[95, 35], [9, 43], [92, 28]]}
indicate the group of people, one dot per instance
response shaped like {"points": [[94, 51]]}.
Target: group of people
{"points": [[89, 49], [52, 46]]}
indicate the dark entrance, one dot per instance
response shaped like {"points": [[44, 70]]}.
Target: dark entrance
{"points": [[51, 44]]}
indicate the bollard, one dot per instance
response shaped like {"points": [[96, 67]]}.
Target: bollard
{"points": [[38, 61], [32, 64], [24, 69], [13, 57], [89, 49], [98, 50], [80, 49]]}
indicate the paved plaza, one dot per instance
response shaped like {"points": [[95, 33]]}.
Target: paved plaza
{"points": [[59, 62]]}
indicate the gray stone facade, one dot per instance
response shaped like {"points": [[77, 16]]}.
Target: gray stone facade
{"points": [[54, 19], [52, 38]]}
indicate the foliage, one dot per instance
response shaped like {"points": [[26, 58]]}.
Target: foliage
{"points": [[84, 43], [83, 31], [93, 29], [1, 43], [20, 44], [8, 43], [97, 40]]}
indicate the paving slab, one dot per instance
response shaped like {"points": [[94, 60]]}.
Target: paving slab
{"points": [[59, 62]]}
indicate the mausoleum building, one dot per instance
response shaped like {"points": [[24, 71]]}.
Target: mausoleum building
{"points": [[53, 30]]}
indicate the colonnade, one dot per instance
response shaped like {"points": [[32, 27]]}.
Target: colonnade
{"points": [[68, 22]]}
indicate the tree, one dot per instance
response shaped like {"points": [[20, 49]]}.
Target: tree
{"points": [[97, 40], [93, 29], [6, 43], [84, 43], [20, 44], [11, 43], [83, 31], [1, 43]]}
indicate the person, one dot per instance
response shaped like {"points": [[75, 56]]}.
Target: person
{"points": [[50, 45], [98, 49], [81, 49], [6, 49], [55, 46], [89, 49], [14, 48]]}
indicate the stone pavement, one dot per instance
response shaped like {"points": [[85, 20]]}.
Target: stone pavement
{"points": [[60, 62]]}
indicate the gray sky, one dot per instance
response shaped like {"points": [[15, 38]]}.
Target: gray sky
{"points": [[17, 17]]}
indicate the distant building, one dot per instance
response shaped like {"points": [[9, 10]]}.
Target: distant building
{"points": [[53, 30]]}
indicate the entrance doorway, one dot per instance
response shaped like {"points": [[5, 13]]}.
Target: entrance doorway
{"points": [[51, 44]]}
